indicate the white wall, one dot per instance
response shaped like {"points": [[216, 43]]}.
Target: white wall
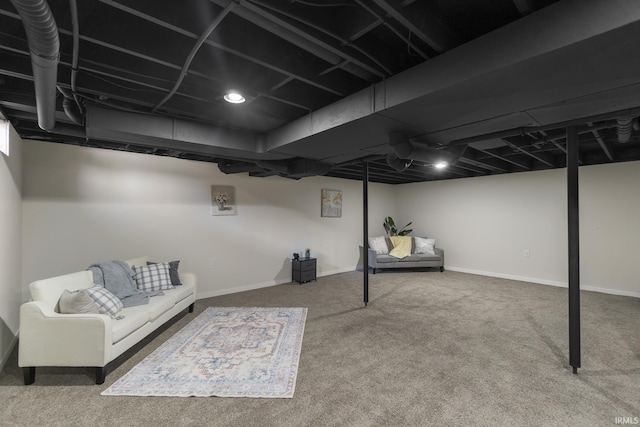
{"points": [[10, 246], [485, 224], [84, 205]]}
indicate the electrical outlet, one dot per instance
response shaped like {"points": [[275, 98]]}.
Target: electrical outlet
{"points": [[213, 262], [527, 253]]}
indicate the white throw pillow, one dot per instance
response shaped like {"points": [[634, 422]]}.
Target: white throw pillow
{"points": [[77, 302], [425, 246], [379, 244]]}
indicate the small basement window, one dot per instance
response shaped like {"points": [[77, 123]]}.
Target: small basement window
{"points": [[4, 137]]}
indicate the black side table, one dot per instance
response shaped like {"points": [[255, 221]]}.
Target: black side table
{"points": [[303, 270]]}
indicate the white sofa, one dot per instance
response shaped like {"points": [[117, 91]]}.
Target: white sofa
{"points": [[48, 338]]}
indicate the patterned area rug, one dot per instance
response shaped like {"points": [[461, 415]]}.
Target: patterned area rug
{"points": [[224, 352]]}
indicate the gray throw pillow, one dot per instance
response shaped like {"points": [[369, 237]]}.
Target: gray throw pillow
{"points": [[76, 302]]}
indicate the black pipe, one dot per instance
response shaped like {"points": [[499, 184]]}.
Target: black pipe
{"points": [[365, 230], [70, 106], [73, 6], [574, 247], [44, 47], [185, 67]]}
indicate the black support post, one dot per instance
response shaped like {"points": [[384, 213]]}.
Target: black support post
{"points": [[574, 248], [365, 231]]}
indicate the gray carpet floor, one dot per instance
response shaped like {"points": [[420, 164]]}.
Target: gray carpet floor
{"points": [[430, 349]]}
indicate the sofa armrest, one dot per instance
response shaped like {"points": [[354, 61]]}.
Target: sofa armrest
{"points": [[440, 253], [188, 279], [48, 338], [372, 256]]}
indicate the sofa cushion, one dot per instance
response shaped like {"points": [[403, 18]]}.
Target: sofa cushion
{"points": [[386, 259], [424, 246], [401, 246], [421, 257], [77, 302], [173, 272], [105, 300], [134, 318], [154, 277], [158, 305], [179, 292], [379, 244]]}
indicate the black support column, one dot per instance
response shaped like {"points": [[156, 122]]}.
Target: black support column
{"points": [[365, 231], [574, 248]]}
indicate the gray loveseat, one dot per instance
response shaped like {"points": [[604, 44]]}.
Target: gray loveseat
{"points": [[414, 260]]}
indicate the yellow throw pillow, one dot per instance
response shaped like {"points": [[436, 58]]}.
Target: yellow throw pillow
{"points": [[401, 246]]}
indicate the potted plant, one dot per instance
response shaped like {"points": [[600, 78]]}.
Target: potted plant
{"points": [[392, 230]]}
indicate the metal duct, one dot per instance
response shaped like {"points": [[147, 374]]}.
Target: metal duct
{"points": [[625, 127], [398, 164], [239, 168], [296, 168], [408, 148], [44, 46]]}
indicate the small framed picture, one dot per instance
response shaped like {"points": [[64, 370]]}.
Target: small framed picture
{"points": [[223, 200], [331, 202]]}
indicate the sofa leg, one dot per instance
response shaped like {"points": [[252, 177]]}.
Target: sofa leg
{"points": [[441, 268], [191, 307], [29, 374], [101, 373]]}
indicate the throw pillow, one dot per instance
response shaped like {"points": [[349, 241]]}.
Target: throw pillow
{"points": [[173, 272], [154, 277], [105, 300], [77, 302], [401, 246], [425, 246], [379, 244]]}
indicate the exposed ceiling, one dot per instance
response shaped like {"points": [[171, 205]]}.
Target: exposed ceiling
{"points": [[490, 85]]}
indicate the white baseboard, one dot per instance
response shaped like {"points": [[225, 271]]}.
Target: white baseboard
{"points": [[544, 282], [236, 289], [337, 271], [251, 287], [5, 356]]}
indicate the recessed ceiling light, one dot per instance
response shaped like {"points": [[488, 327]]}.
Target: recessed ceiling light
{"points": [[441, 165], [234, 97]]}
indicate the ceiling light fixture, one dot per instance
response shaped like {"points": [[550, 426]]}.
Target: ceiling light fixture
{"points": [[234, 97], [441, 165]]}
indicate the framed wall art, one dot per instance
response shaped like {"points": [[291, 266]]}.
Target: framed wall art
{"points": [[331, 202], [223, 200]]}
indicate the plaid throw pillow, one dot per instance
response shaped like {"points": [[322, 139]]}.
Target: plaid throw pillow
{"points": [[173, 272], [154, 277], [107, 301]]}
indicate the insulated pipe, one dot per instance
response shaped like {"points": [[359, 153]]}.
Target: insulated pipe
{"points": [[625, 127], [44, 46]]}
